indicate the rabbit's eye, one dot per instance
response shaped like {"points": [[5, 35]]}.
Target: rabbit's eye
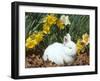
{"points": [[65, 40]]}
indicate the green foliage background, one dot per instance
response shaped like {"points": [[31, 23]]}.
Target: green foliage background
{"points": [[79, 25]]}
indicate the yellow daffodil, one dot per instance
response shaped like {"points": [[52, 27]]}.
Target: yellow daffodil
{"points": [[80, 45], [60, 24], [39, 36], [50, 19], [85, 38], [33, 35], [31, 44], [28, 39], [46, 28]]}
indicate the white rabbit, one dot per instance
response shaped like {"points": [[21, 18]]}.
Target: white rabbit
{"points": [[61, 53]]}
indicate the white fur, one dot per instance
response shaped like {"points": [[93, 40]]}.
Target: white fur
{"points": [[61, 53]]}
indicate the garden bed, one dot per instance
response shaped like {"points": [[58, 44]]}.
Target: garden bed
{"points": [[35, 60]]}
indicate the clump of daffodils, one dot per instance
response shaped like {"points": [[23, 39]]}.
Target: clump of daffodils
{"points": [[50, 20], [34, 39], [82, 43]]}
